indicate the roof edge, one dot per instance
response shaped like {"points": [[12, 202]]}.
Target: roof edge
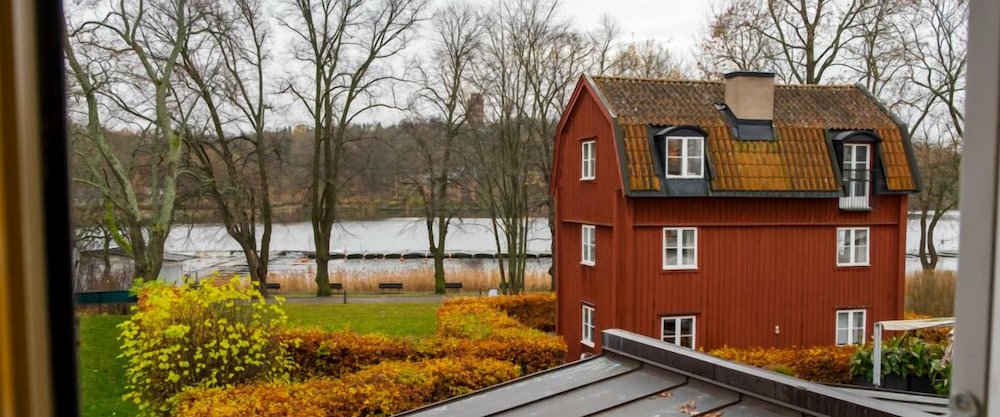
{"points": [[904, 132], [813, 398]]}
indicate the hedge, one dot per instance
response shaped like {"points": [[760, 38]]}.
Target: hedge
{"points": [[828, 364], [333, 354], [537, 311], [383, 389]]}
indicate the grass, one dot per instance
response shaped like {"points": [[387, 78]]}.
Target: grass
{"points": [[416, 319], [102, 374]]}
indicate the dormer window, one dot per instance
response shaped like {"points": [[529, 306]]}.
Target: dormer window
{"points": [[857, 174], [685, 157]]}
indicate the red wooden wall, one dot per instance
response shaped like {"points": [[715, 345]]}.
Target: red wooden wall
{"points": [[762, 262]]}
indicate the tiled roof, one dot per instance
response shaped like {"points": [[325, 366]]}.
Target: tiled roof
{"points": [[798, 158]]}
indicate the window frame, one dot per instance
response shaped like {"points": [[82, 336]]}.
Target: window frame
{"points": [[684, 157], [850, 329], [587, 324], [680, 248], [850, 200], [851, 237], [678, 336], [590, 162], [588, 247]]}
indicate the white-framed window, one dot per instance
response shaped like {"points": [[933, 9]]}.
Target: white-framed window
{"points": [[588, 162], [857, 175], [678, 330], [587, 334], [588, 246], [680, 248], [850, 327], [685, 157], [852, 246]]}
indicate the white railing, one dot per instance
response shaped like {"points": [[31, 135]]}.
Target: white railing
{"points": [[856, 182]]}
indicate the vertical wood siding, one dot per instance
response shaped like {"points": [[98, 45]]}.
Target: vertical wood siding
{"points": [[585, 202], [775, 266]]}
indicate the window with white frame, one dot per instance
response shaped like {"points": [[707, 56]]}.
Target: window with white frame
{"points": [[850, 327], [588, 248], [852, 246], [857, 175], [678, 330], [685, 157], [588, 161], [680, 248], [587, 334]]}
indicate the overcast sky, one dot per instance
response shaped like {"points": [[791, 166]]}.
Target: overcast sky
{"points": [[677, 23]]}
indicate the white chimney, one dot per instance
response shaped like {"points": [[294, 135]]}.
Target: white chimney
{"points": [[750, 95]]}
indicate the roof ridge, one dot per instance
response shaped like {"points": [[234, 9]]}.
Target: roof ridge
{"points": [[714, 82]]}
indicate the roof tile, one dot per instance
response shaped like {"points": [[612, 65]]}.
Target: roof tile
{"points": [[798, 158]]}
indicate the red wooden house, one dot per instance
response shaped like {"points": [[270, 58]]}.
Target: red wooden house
{"points": [[738, 213]]}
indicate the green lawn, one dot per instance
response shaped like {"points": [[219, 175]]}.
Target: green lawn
{"points": [[416, 319], [102, 377]]}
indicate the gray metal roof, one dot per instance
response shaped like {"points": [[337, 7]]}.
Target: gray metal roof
{"points": [[638, 376]]}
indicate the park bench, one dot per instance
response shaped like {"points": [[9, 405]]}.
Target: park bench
{"points": [[382, 286], [337, 286], [274, 286], [453, 285]]}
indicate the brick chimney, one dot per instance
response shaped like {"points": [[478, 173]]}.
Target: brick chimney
{"points": [[750, 94], [474, 114]]}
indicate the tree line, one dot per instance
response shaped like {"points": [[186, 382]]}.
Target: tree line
{"points": [[175, 104]]}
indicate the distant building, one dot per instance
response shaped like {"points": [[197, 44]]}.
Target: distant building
{"points": [[737, 213], [116, 272]]}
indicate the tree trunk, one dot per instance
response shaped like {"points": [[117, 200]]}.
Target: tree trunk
{"points": [[323, 266]]}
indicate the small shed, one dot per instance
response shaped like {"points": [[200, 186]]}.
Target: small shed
{"points": [[112, 269]]}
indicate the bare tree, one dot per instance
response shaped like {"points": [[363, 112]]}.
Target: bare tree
{"points": [[530, 62], [938, 162], [129, 68], [343, 43], [802, 40], [934, 104], [457, 33], [734, 42], [225, 67], [648, 59]]}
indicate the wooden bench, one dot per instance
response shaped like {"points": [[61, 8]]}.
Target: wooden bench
{"points": [[382, 286], [337, 286], [273, 286], [453, 285]]}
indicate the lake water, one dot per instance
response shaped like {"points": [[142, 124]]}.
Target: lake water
{"points": [[401, 235]]}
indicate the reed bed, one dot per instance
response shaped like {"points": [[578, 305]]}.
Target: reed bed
{"points": [[418, 279], [931, 293]]}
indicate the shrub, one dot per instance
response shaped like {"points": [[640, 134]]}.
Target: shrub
{"points": [[214, 336], [906, 356], [931, 293], [939, 335], [537, 311], [829, 364], [333, 354], [387, 388]]}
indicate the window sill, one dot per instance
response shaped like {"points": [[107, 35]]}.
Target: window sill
{"points": [[853, 265], [685, 177], [592, 179], [680, 268], [585, 263], [586, 343]]}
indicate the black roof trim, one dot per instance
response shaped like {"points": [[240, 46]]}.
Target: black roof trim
{"points": [[746, 129], [759, 74]]}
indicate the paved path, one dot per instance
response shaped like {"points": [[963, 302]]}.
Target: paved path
{"points": [[339, 299]]}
